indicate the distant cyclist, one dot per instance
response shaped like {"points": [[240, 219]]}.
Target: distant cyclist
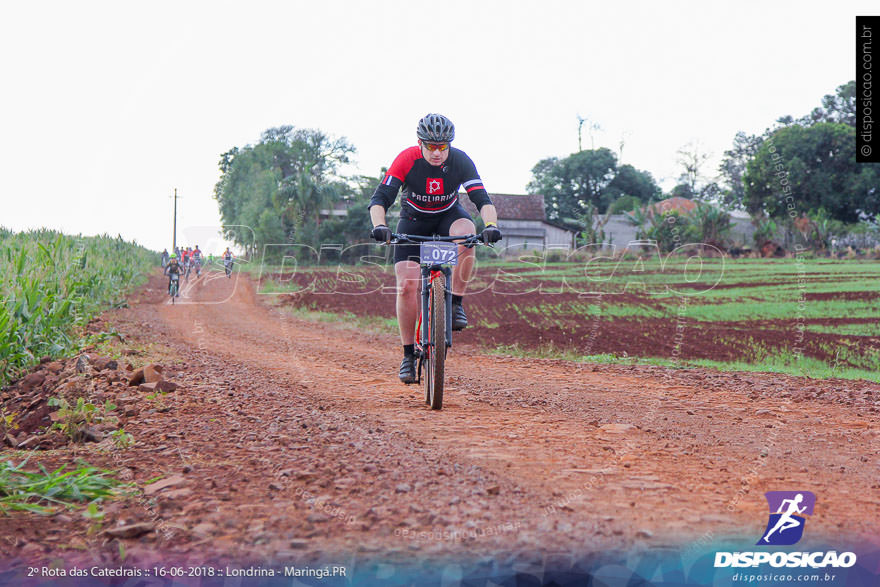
{"points": [[227, 262], [430, 175], [187, 261], [164, 257], [197, 260], [173, 268]]}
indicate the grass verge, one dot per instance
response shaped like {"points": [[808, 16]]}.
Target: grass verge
{"points": [[45, 491], [787, 365], [345, 320]]}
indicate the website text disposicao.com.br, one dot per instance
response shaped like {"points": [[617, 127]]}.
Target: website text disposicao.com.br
{"points": [[782, 577], [817, 561]]}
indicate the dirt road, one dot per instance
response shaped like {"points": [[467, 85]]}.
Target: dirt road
{"points": [[295, 439]]}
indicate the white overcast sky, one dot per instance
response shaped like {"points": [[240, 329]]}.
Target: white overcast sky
{"points": [[106, 107]]}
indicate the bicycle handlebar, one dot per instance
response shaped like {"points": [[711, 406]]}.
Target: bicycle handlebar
{"points": [[466, 239]]}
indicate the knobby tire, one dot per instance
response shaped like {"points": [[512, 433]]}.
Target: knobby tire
{"points": [[436, 363]]}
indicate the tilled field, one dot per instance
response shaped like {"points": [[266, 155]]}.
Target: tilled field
{"points": [[290, 440], [579, 318]]}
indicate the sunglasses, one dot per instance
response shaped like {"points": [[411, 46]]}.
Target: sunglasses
{"points": [[435, 147]]}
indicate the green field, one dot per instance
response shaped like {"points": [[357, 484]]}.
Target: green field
{"points": [[803, 316]]}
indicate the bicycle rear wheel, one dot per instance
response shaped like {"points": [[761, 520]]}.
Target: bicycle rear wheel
{"points": [[436, 349]]}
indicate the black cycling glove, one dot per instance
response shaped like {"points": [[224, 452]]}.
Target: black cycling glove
{"points": [[491, 234], [381, 233]]}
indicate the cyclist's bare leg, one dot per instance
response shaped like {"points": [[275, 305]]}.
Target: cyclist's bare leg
{"points": [[408, 275], [462, 272]]}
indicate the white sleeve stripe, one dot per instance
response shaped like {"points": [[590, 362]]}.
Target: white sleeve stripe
{"points": [[472, 182]]}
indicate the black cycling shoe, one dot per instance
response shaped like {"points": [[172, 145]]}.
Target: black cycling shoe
{"points": [[459, 318], [408, 369]]}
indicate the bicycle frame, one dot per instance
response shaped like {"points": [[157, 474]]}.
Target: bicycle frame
{"points": [[428, 274]]}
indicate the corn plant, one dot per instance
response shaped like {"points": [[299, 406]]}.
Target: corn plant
{"points": [[51, 285]]}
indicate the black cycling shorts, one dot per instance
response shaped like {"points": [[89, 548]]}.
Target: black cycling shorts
{"points": [[424, 226]]}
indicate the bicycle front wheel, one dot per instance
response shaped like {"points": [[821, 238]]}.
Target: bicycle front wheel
{"points": [[436, 364]]}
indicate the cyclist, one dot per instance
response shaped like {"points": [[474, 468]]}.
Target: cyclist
{"points": [[430, 174], [197, 260], [227, 261], [187, 261], [173, 268]]}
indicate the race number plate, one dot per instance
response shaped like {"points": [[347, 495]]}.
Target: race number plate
{"points": [[439, 253]]}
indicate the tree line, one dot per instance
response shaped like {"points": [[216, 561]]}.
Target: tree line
{"points": [[800, 174], [279, 190]]}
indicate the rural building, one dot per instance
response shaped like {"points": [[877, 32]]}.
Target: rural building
{"points": [[619, 229], [524, 225]]}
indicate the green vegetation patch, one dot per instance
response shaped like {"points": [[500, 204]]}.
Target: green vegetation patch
{"points": [[45, 491], [51, 285]]}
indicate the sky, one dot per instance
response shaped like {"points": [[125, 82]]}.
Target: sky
{"points": [[107, 107]]}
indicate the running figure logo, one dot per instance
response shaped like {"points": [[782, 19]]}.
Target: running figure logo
{"points": [[786, 525]]}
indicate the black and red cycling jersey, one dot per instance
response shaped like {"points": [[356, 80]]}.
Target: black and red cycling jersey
{"points": [[427, 189]]}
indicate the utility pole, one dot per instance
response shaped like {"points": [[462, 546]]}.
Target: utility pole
{"points": [[174, 239]]}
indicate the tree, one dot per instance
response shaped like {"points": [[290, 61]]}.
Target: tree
{"points": [[629, 181], [624, 204], [814, 154], [279, 186], [682, 190], [804, 168], [354, 227], [571, 186], [733, 166], [839, 107], [693, 161]]}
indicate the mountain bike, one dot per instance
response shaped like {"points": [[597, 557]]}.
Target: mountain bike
{"points": [[188, 267], [198, 266], [433, 332], [174, 286], [227, 266]]}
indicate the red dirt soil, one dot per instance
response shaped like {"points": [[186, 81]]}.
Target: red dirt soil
{"points": [[295, 439]]}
